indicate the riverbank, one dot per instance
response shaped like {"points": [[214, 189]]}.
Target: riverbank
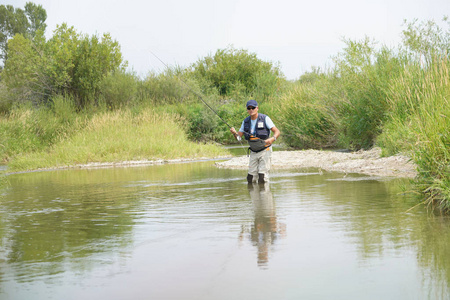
{"points": [[364, 162], [119, 164]]}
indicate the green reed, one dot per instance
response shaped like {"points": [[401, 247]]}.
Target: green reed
{"points": [[307, 120], [419, 124]]}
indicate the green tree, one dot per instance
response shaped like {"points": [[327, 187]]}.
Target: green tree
{"points": [[68, 63], [36, 16], [24, 71], [60, 52], [18, 21], [94, 60]]}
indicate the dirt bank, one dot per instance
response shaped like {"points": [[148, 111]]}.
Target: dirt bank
{"points": [[363, 162]]}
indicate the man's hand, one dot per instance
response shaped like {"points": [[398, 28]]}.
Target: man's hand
{"points": [[270, 141]]}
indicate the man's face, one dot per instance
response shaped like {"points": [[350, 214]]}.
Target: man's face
{"points": [[252, 110]]}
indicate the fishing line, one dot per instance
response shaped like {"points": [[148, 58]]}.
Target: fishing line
{"points": [[200, 97]]}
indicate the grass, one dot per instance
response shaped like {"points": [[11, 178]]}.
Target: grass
{"points": [[119, 136], [305, 118], [419, 124]]}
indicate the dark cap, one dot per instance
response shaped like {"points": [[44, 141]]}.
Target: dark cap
{"points": [[252, 103]]}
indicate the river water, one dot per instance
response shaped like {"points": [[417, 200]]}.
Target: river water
{"points": [[193, 231]]}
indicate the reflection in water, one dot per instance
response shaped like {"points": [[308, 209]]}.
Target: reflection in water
{"points": [[64, 221], [54, 224], [266, 228], [169, 232]]}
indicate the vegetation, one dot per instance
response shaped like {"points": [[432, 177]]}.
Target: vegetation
{"points": [[418, 124], [110, 136], [396, 99], [69, 99], [27, 22], [234, 72], [68, 63]]}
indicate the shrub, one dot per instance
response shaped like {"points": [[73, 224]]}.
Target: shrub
{"points": [[231, 71], [172, 86], [119, 89]]}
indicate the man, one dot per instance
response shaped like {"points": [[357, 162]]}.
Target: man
{"points": [[258, 125]]}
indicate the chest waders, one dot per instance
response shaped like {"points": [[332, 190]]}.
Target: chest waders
{"points": [[257, 143]]}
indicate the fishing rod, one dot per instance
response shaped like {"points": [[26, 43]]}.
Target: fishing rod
{"points": [[199, 96]]}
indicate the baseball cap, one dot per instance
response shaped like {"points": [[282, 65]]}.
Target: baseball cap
{"points": [[252, 103]]}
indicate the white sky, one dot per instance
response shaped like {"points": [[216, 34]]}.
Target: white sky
{"points": [[297, 34]]}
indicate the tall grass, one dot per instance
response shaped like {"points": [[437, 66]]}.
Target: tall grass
{"points": [[419, 124], [120, 135], [363, 75], [344, 106], [27, 129], [307, 119]]}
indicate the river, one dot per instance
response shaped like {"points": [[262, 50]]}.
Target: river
{"points": [[193, 231]]}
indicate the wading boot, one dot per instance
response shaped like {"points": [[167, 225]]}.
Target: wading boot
{"points": [[261, 179], [249, 178]]}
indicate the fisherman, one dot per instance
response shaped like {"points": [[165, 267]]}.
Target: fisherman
{"points": [[257, 127]]}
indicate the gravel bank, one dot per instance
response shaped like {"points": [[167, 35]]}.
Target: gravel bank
{"points": [[363, 162]]}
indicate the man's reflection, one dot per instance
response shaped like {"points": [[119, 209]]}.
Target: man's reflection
{"points": [[265, 229]]}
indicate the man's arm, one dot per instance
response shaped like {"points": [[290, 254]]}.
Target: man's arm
{"points": [[276, 134]]}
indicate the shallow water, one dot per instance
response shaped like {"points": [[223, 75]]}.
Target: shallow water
{"points": [[192, 231]]}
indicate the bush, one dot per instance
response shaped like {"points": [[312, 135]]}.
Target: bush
{"points": [[345, 106], [202, 123], [119, 89], [425, 41], [236, 72], [23, 71], [170, 87]]}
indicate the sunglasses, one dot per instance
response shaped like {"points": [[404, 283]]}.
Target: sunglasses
{"points": [[250, 108]]}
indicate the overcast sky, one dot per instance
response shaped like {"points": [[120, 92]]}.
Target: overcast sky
{"points": [[295, 34]]}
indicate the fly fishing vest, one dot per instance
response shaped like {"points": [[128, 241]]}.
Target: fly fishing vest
{"points": [[262, 132]]}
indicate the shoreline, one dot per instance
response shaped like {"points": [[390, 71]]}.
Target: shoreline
{"points": [[368, 162], [120, 164]]}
